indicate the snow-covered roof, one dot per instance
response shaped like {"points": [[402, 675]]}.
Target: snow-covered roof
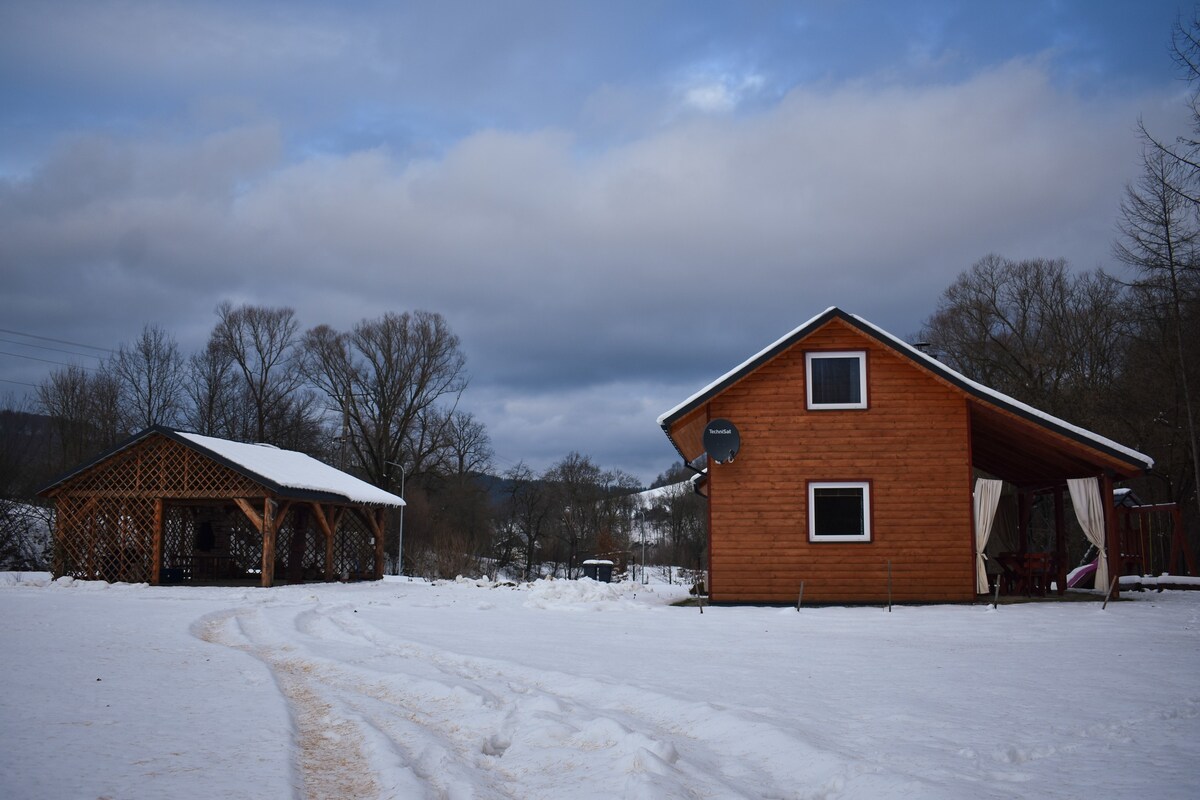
{"points": [[284, 471], [292, 470], [737, 371], [977, 389]]}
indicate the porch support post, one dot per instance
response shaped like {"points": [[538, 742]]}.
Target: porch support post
{"points": [[1060, 540], [1112, 535], [156, 550], [1023, 509]]}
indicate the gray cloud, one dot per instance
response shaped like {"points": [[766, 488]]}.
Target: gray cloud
{"points": [[593, 287]]}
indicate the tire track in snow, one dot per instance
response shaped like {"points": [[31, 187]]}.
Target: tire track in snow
{"points": [[510, 715], [330, 759]]}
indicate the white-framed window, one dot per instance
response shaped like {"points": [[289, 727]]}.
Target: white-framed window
{"points": [[836, 379], [839, 511]]}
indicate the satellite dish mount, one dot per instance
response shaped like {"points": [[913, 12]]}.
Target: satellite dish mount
{"points": [[721, 440]]}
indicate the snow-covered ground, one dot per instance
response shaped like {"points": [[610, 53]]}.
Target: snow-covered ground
{"points": [[575, 690]]}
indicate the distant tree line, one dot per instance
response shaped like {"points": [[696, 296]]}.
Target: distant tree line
{"points": [[379, 400]]}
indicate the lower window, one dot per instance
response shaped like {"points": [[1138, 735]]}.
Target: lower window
{"points": [[839, 511]]}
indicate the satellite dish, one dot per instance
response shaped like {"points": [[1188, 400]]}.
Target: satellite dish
{"points": [[721, 440]]}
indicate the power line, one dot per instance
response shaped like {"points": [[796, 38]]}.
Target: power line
{"points": [[20, 383], [58, 341], [46, 360], [48, 347]]}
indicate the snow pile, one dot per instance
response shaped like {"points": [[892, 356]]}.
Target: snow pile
{"points": [[1166, 580], [586, 594], [24, 578]]}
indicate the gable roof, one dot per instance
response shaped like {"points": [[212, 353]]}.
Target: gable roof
{"points": [[978, 391], [285, 472]]}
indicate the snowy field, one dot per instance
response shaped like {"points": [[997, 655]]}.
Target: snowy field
{"points": [[581, 690]]}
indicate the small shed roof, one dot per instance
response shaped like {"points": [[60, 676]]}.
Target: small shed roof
{"points": [[286, 472], [985, 397]]}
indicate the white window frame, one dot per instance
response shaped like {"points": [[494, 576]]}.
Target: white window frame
{"points": [[861, 355], [865, 536]]}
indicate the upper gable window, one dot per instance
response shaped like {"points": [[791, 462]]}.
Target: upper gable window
{"points": [[836, 379]]}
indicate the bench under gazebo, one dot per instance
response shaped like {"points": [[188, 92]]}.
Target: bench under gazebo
{"points": [[166, 506]]}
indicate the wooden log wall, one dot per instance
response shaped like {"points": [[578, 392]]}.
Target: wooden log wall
{"points": [[912, 444]]}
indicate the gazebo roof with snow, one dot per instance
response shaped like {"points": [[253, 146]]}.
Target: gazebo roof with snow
{"points": [[286, 472]]}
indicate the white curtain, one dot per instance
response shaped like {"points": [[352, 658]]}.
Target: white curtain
{"points": [[987, 497], [1089, 510]]}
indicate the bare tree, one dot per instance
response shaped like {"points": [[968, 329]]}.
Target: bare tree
{"points": [[1033, 330], [1183, 155], [592, 509], [263, 345], [523, 517], [392, 384], [467, 445], [1159, 234], [150, 378], [83, 409], [680, 514], [386, 380], [213, 394]]}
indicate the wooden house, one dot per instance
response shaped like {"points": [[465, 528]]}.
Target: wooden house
{"points": [[169, 506], [859, 473]]}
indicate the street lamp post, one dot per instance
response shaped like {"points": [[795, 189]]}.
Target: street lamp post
{"points": [[642, 531], [400, 538]]}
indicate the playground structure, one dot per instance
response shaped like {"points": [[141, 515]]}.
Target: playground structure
{"points": [[1153, 542], [1144, 546]]}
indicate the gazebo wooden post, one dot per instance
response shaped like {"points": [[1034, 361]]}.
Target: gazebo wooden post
{"points": [[268, 532], [156, 549], [1060, 540], [1112, 535], [1023, 508]]}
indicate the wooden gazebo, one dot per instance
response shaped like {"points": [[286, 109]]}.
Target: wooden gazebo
{"points": [[167, 506]]}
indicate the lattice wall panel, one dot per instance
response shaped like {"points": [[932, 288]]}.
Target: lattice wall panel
{"points": [[299, 550], [209, 543], [159, 466], [353, 553], [177, 541], [108, 539]]}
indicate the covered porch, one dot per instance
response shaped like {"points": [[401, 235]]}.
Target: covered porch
{"points": [[1042, 494]]}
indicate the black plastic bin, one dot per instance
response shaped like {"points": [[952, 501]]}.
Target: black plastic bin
{"points": [[598, 569]]}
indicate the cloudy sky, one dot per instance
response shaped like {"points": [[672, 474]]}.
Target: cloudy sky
{"points": [[612, 203]]}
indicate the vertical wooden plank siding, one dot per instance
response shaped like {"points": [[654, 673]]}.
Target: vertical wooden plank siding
{"points": [[912, 444], [970, 498]]}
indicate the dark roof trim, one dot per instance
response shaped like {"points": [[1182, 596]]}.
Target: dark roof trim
{"points": [[971, 388]]}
